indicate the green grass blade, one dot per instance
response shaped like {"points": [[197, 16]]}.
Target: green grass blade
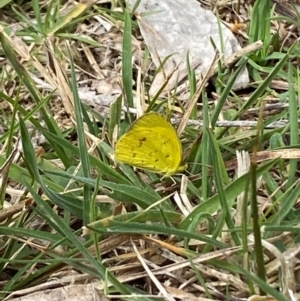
{"points": [[219, 183], [231, 191], [294, 127], [127, 60], [83, 153]]}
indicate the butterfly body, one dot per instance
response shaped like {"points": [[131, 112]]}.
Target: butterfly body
{"points": [[151, 143]]}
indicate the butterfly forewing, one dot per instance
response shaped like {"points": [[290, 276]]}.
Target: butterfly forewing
{"points": [[151, 143]]}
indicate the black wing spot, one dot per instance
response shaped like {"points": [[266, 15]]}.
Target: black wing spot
{"points": [[143, 139]]}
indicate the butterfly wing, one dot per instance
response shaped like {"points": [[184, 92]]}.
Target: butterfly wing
{"points": [[151, 143]]}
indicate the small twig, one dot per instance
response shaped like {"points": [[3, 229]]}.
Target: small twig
{"points": [[235, 57], [236, 123]]}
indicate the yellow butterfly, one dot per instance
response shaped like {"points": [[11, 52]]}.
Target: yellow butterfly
{"points": [[151, 143]]}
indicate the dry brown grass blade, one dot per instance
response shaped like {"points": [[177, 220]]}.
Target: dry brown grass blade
{"points": [[290, 153], [192, 103], [15, 209], [150, 274], [62, 85], [23, 51], [84, 292], [243, 167], [182, 295]]}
